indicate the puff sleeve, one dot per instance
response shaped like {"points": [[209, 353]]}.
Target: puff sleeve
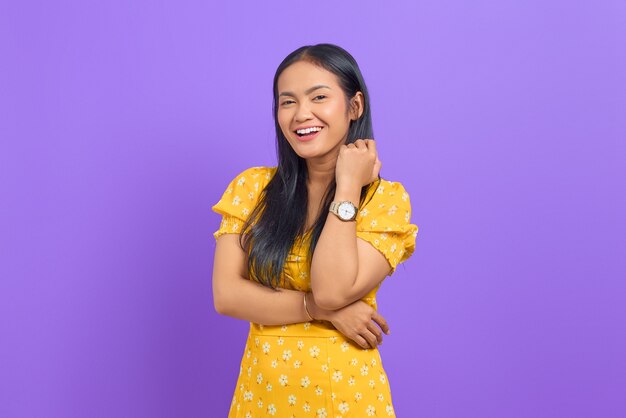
{"points": [[385, 222], [240, 198]]}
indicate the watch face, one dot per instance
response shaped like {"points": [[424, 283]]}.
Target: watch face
{"points": [[346, 210]]}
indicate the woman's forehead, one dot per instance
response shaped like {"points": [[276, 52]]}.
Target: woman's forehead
{"points": [[302, 76]]}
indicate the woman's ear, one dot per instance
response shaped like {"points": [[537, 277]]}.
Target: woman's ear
{"points": [[356, 106]]}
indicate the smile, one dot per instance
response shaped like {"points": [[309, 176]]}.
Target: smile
{"points": [[309, 133]]}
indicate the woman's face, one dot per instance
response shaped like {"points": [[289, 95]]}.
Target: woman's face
{"points": [[310, 97]]}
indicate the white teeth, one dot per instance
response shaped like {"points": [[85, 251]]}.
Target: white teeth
{"points": [[309, 130]]}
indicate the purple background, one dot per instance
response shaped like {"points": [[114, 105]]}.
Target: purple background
{"points": [[121, 123]]}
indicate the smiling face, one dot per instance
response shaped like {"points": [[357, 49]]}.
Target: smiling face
{"points": [[311, 97]]}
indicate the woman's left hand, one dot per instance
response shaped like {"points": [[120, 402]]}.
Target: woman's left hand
{"points": [[358, 163]]}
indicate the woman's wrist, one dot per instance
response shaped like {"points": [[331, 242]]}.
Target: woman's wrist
{"points": [[315, 311]]}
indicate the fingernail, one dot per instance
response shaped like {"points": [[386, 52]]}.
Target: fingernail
{"points": [[388, 331]]}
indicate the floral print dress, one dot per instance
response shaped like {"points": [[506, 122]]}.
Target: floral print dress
{"points": [[310, 369]]}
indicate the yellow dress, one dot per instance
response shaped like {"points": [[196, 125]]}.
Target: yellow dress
{"points": [[310, 369]]}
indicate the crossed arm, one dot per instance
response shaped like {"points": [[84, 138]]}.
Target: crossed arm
{"points": [[344, 269]]}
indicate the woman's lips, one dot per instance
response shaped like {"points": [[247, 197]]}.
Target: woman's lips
{"points": [[309, 137]]}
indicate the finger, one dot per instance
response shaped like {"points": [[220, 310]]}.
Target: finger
{"points": [[360, 143], [371, 145], [382, 323], [376, 331], [371, 338], [362, 342]]}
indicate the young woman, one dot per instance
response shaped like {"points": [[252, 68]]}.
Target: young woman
{"points": [[304, 246]]}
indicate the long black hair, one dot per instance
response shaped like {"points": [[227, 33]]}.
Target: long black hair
{"points": [[279, 217]]}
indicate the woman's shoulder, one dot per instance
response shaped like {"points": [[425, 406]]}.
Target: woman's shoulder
{"points": [[258, 172], [388, 190], [387, 205], [244, 190], [253, 178]]}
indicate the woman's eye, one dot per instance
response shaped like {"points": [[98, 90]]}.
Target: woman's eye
{"points": [[287, 102], [321, 95]]}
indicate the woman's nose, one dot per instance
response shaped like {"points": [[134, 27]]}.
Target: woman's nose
{"points": [[303, 113]]}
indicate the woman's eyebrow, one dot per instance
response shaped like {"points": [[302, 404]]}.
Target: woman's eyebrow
{"points": [[319, 86]]}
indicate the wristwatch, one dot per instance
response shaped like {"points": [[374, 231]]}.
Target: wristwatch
{"points": [[345, 210]]}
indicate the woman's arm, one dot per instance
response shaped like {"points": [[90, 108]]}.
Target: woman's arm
{"points": [[334, 266], [234, 295], [343, 268]]}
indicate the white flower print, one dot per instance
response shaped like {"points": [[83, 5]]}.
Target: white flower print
{"points": [[374, 362], [259, 378], [271, 409], [344, 407], [280, 341], [282, 380], [381, 397], [372, 383], [286, 355], [345, 346], [318, 390], [251, 195], [382, 378], [297, 364], [389, 410], [247, 395], [371, 411], [305, 382], [266, 347], [255, 361], [300, 344], [354, 362], [358, 396], [283, 328], [260, 403], [364, 212], [245, 211], [241, 181], [337, 376], [274, 363], [268, 387], [314, 351], [392, 210], [321, 413], [324, 367], [364, 370], [236, 201], [307, 325], [306, 407], [256, 341], [248, 414], [380, 189], [393, 248], [373, 223], [291, 400], [333, 339], [351, 381]]}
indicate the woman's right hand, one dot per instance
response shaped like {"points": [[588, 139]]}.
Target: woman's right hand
{"points": [[357, 321]]}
